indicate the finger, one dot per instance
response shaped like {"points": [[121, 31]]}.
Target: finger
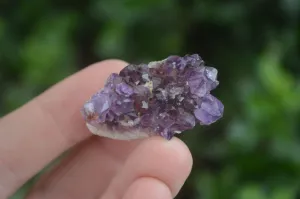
{"points": [[36, 133], [167, 161], [148, 188], [86, 172]]}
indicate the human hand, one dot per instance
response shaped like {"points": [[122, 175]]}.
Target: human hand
{"points": [[96, 167]]}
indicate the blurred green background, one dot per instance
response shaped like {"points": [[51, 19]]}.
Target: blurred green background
{"points": [[254, 151]]}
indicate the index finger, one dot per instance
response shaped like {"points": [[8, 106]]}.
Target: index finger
{"points": [[41, 130]]}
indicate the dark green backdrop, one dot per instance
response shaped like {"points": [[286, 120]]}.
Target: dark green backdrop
{"points": [[254, 151]]}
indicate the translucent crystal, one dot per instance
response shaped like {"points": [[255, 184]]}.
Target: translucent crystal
{"points": [[160, 98]]}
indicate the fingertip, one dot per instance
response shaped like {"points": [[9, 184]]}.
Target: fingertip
{"points": [[168, 161], [174, 148], [148, 188], [113, 65], [174, 160]]}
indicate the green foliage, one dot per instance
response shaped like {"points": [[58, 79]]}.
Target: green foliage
{"points": [[253, 152]]}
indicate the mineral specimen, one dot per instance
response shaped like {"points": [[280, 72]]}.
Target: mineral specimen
{"points": [[160, 98]]}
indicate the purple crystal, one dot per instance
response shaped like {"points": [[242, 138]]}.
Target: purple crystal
{"points": [[160, 98], [210, 110], [124, 89]]}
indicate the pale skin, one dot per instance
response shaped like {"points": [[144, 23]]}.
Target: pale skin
{"points": [[96, 167]]}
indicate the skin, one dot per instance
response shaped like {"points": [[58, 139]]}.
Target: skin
{"points": [[96, 167]]}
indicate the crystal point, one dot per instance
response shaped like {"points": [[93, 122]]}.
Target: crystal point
{"points": [[160, 98]]}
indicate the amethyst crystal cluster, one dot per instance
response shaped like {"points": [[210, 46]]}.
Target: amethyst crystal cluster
{"points": [[160, 98]]}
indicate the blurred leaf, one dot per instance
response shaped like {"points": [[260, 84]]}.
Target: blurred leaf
{"points": [[111, 41], [292, 7], [243, 135], [47, 53], [127, 11], [271, 74], [48, 58], [205, 185], [1, 28], [251, 192], [276, 80], [287, 149], [284, 193]]}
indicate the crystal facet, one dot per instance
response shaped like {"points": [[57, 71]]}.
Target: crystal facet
{"points": [[160, 98]]}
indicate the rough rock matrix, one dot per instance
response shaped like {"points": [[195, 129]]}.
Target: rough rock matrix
{"points": [[160, 98]]}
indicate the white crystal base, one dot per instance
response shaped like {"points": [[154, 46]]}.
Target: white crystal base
{"points": [[104, 132]]}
